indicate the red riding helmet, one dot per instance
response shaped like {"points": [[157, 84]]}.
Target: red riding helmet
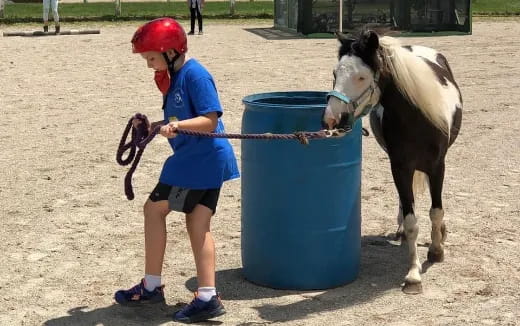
{"points": [[161, 35]]}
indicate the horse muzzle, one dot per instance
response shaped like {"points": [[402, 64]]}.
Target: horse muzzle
{"points": [[338, 115]]}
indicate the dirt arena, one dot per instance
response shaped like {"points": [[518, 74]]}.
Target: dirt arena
{"points": [[70, 237]]}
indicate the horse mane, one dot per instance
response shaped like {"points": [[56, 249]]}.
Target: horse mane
{"points": [[414, 79]]}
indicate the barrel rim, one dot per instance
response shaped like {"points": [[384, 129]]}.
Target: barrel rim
{"points": [[252, 100]]}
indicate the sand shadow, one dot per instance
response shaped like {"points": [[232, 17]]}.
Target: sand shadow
{"points": [[383, 266], [116, 315], [271, 33]]}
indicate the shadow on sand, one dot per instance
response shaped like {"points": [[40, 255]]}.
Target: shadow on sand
{"points": [[271, 33], [383, 266]]}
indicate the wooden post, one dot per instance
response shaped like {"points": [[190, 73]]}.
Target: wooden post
{"points": [[232, 7], [469, 19], [65, 32], [85, 1], [118, 8], [1, 8]]}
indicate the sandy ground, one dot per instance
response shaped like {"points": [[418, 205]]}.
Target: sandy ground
{"points": [[70, 238]]}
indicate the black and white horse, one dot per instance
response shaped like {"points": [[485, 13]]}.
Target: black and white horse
{"points": [[415, 114]]}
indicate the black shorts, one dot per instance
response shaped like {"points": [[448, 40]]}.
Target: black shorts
{"points": [[184, 200]]}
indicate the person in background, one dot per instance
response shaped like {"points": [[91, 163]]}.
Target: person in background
{"points": [[196, 10], [51, 4]]}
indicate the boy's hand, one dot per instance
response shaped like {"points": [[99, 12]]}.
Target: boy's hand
{"points": [[169, 130]]}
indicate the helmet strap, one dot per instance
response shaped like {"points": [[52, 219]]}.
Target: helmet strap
{"points": [[171, 70], [171, 63]]}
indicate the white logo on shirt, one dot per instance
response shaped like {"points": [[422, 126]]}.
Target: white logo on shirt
{"points": [[178, 98]]}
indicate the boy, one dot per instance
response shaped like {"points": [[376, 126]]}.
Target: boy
{"points": [[191, 178]]}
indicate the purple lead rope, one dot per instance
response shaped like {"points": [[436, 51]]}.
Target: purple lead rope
{"points": [[141, 137]]}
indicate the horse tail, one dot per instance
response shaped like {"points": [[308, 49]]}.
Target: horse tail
{"points": [[420, 180]]}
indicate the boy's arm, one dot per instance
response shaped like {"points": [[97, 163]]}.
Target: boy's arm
{"points": [[203, 123]]}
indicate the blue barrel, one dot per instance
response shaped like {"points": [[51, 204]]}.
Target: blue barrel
{"points": [[301, 204]]}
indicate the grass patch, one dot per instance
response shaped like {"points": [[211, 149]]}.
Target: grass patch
{"points": [[496, 7], [105, 11]]}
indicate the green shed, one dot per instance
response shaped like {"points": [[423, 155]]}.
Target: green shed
{"points": [[323, 16]]}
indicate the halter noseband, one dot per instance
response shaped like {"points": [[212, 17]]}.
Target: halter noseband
{"points": [[361, 98]]}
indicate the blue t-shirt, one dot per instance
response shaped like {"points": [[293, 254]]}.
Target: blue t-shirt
{"points": [[197, 162]]}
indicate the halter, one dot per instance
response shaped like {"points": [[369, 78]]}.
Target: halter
{"points": [[367, 93]]}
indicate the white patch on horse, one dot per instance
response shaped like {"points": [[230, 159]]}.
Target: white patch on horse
{"points": [[436, 217], [412, 231], [415, 78], [424, 52], [451, 97], [376, 124], [451, 100]]}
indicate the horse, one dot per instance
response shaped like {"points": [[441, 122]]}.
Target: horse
{"points": [[415, 108]]}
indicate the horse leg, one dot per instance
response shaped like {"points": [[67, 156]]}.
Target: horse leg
{"points": [[403, 178], [399, 234], [436, 250]]}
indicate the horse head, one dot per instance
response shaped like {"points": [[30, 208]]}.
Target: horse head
{"points": [[356, 75]]}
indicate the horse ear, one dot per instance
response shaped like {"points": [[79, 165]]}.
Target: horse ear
{"points": [[344, 38], [371, 41]]}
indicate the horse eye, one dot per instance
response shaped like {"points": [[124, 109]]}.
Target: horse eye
{"points": [[361, 78]]}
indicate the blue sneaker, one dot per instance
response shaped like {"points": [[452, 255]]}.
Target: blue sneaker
{"points": [[199, 310], [138, 295]]}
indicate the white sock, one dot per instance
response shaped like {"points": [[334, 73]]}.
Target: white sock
{"points": [[151, 282], [205, 293]]}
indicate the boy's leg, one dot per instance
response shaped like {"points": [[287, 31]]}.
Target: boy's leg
{"points": [[206, 304], [149, 290], [155, 235], [202, 244]]}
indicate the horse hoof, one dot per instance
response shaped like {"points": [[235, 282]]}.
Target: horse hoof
{"points": [[436, 256], [412, 288]]}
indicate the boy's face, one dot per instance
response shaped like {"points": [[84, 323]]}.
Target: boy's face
{"points": [[155, 60]]}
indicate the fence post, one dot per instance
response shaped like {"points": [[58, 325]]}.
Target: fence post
{"points": [[1, 8], [341, 16], [118, 8]]}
